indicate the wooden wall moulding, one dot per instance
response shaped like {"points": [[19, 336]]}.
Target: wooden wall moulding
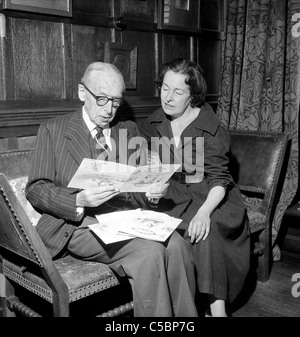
{"points": [[22, 118], [125, 59], [179, 15], [57, 7]]}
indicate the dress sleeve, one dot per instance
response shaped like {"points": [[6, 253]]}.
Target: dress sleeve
{"points": [[216, 161]]}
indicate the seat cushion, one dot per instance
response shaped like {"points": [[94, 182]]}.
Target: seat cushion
{"points": [[83, 278]]}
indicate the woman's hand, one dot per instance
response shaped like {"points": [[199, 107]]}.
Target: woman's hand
{"points": [[157, 191], [95, 196], [199, 227]]}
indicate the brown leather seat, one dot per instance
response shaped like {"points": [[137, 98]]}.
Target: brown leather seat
{"points": [[256, 162]]}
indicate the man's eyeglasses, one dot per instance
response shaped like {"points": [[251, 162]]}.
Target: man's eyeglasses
{"points": [[103, 100]]}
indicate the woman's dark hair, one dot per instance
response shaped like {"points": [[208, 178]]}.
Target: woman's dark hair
{"points": [[195, 79]]}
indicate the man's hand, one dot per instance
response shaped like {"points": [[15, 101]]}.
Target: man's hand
{"points": [[157, 191], [95, 196]]}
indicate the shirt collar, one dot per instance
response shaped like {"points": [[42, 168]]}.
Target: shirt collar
{"points": [[92, 127]]}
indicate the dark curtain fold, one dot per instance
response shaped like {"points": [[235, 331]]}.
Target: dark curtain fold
{"points": [[260, 88]]}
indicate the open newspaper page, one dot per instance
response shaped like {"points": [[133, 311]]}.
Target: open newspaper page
{"points": [[93, 173], [125, 225]]}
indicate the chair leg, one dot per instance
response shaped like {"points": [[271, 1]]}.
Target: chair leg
{"points": [[61, 306], [2, 295], [6, 292], [265, 260]]}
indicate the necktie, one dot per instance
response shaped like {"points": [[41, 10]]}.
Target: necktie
{"points": [[102, 148]]}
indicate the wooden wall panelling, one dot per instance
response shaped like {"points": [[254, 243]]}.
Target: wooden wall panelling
{"points": [[68, 69], [38, 59], [19, 120], [142, 11], [2, 69], [139, 15], [174, 46], [158, 58], [92, 12], [138, 108], [7, 73], [145, 43], [170, 46], [93, 7], [50, 54], [213, 14], [210, 59], [22, 118], [87, 46], [179, 16], [210, 45]]}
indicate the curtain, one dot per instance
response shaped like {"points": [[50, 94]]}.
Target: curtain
{"points": [[260, 87]]}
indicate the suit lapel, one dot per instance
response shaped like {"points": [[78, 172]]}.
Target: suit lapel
{"points": [[78, 138]]}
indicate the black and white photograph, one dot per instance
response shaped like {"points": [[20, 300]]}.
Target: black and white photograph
{"points": [[149, 163]]}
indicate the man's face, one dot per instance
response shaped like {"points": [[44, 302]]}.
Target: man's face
{"points": [[107, 84]]}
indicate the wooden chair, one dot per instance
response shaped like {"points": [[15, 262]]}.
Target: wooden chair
{"points": [[28, 275], [256, 163]]}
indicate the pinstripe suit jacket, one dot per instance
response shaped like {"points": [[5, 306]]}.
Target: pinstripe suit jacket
{"points": [[62, 143]]}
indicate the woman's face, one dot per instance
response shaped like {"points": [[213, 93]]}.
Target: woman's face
{"points": [[175, 94]]}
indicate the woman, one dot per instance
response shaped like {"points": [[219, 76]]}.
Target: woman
{"points": [[186, 131]]}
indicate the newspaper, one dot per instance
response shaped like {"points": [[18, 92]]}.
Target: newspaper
{"points": [[126, 225], [93, 173]]}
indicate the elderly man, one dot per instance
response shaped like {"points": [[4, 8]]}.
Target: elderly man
{"points": [[160, 274]]}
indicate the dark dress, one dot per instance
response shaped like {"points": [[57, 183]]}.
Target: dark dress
{"points": [[223, 259]]}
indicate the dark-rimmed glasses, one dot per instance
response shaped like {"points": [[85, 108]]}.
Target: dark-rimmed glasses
{"points": [[103, 100]]}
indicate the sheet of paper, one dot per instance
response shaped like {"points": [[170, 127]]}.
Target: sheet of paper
{"points": [[124, 225], [108, 236], [150, 225], [94, 173], [109, 224]]}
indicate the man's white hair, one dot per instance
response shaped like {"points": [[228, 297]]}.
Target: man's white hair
{"points": [[101, 67]]}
